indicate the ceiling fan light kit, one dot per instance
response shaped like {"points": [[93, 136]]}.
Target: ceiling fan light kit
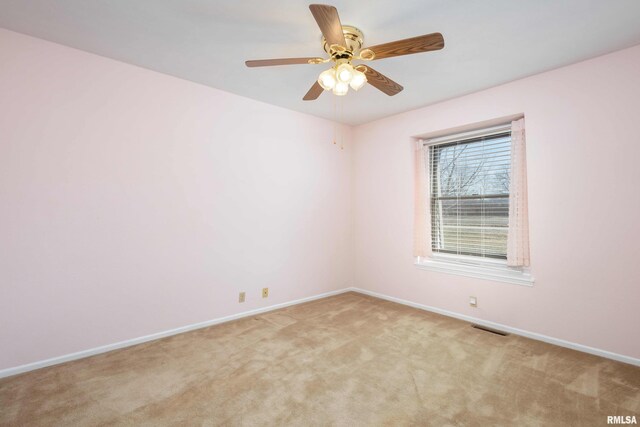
{"points": [[343, 44], [339, 78]]}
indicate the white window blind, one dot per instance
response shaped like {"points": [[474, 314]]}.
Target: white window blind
{"points": [[469, 175]]}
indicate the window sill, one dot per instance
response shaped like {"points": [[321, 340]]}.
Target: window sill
{"points": [[492, 270]]}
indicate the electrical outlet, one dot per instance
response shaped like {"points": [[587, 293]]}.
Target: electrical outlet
{"points": [[265, 292], [473, 301], [241, 297]]}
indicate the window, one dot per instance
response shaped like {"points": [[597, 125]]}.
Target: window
{"points": [[470, 195], [468, 180]]}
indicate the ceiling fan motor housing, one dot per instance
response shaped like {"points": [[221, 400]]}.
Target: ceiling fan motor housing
{"points": [[354, 39]]}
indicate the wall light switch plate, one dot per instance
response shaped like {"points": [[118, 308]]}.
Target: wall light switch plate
{"points": [[473, 301], [265, 292], [241, 297]]}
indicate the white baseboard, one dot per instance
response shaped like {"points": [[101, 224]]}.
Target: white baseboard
{"points": [[535, 336], [122, 344], [128, 343]]}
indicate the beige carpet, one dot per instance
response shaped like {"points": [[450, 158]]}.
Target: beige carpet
{"points": [[348, 360]]}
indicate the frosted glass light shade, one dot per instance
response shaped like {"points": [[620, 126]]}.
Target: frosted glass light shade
{"points": [[344, 73], [327, 79], [341, 89], [358, 80]]}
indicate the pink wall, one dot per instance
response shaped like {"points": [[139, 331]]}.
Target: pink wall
{"points": [[584, 199], [133, 202]]}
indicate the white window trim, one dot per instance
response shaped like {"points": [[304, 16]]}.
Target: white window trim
{"points": [[493, 130], [472, 266], [480, 268]]}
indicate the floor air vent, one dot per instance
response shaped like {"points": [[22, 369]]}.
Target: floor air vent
{"points": [[493, 331]]}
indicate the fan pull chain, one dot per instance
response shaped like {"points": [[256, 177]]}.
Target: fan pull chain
{"points": [[338, 133], [341, 128], [335, 121]]}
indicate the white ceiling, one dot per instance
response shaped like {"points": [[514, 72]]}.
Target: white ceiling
{"points": [[487, 42]]}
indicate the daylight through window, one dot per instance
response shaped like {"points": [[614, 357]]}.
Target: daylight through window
{"points": [[470, 195]]}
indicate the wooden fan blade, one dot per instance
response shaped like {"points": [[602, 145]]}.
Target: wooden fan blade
{"points": [[281, 61], [329, 22], [314, 92], [418, 44], [382, 82]]}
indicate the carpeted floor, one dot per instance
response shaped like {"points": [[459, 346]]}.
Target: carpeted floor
{"points": [[348, 360]]}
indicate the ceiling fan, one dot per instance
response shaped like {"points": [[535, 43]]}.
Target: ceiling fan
{"points": [[343, 44]]}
